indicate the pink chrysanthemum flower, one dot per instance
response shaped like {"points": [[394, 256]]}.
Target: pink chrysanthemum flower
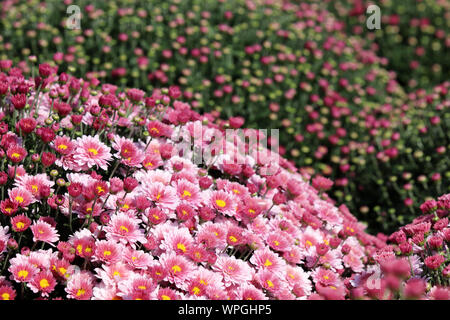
{"points": [[125, 229], [188, 192], [237, 189], [353, 262], [295, 277], [309, 238], [22, 271], [4, 236], [266, 259], [20, 196], [137, 259], [42, 231], [177, 240], [178, 268], [80, 286], [7, 292], [222, 202], [294, 256], [91, 152], [63, 145], [43, 282], [234, 271], [278, 241], [152, 161], [207, 282], [250, 292], [34, 184], [167, 294], [325, 277], [104, 292], [212, 235], [108, 251], [113, 273], [270, 281], [163, 196], [136, 286], [129, 154]]}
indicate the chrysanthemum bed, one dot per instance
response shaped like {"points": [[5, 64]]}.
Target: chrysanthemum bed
{"points": [[103, 197]]}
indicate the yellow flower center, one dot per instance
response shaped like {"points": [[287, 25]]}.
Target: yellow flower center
{"points": [[19, 199], [35, 188], [80, 292], [22, 274], [106, 253], [176, 268], [196, 291], [164, 297], [123, 228], [221, 203], [62, 147], [44, 283], [20, 225], [267, 263], [15, 155], [62, 270], [93, 151], [5, 296], [181, 247], [142, 287], [186, 194], [232, 239], [269, 283]]}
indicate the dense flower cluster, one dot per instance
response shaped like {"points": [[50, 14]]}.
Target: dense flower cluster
{"points": [[102, 202], [414, 35], [270, 64], [416, 265]]}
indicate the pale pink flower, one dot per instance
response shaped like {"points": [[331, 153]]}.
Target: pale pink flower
{"points": [[108, 251], [80, 286], [42, 231], [91, 152], [234, 271], [113, 273], [179, 269], [178, 240], [137, 259], [20, 196], [125, 229], [163, 196]]}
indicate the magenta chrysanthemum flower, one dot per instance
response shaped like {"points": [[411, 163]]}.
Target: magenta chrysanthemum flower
{"points": [[222, 202], [179, 269], [20, 196], [91, 152], [234, 271], [42, 231], [43, 282], [22, 271], [108, 251], [80, 286], [125, 229]]}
